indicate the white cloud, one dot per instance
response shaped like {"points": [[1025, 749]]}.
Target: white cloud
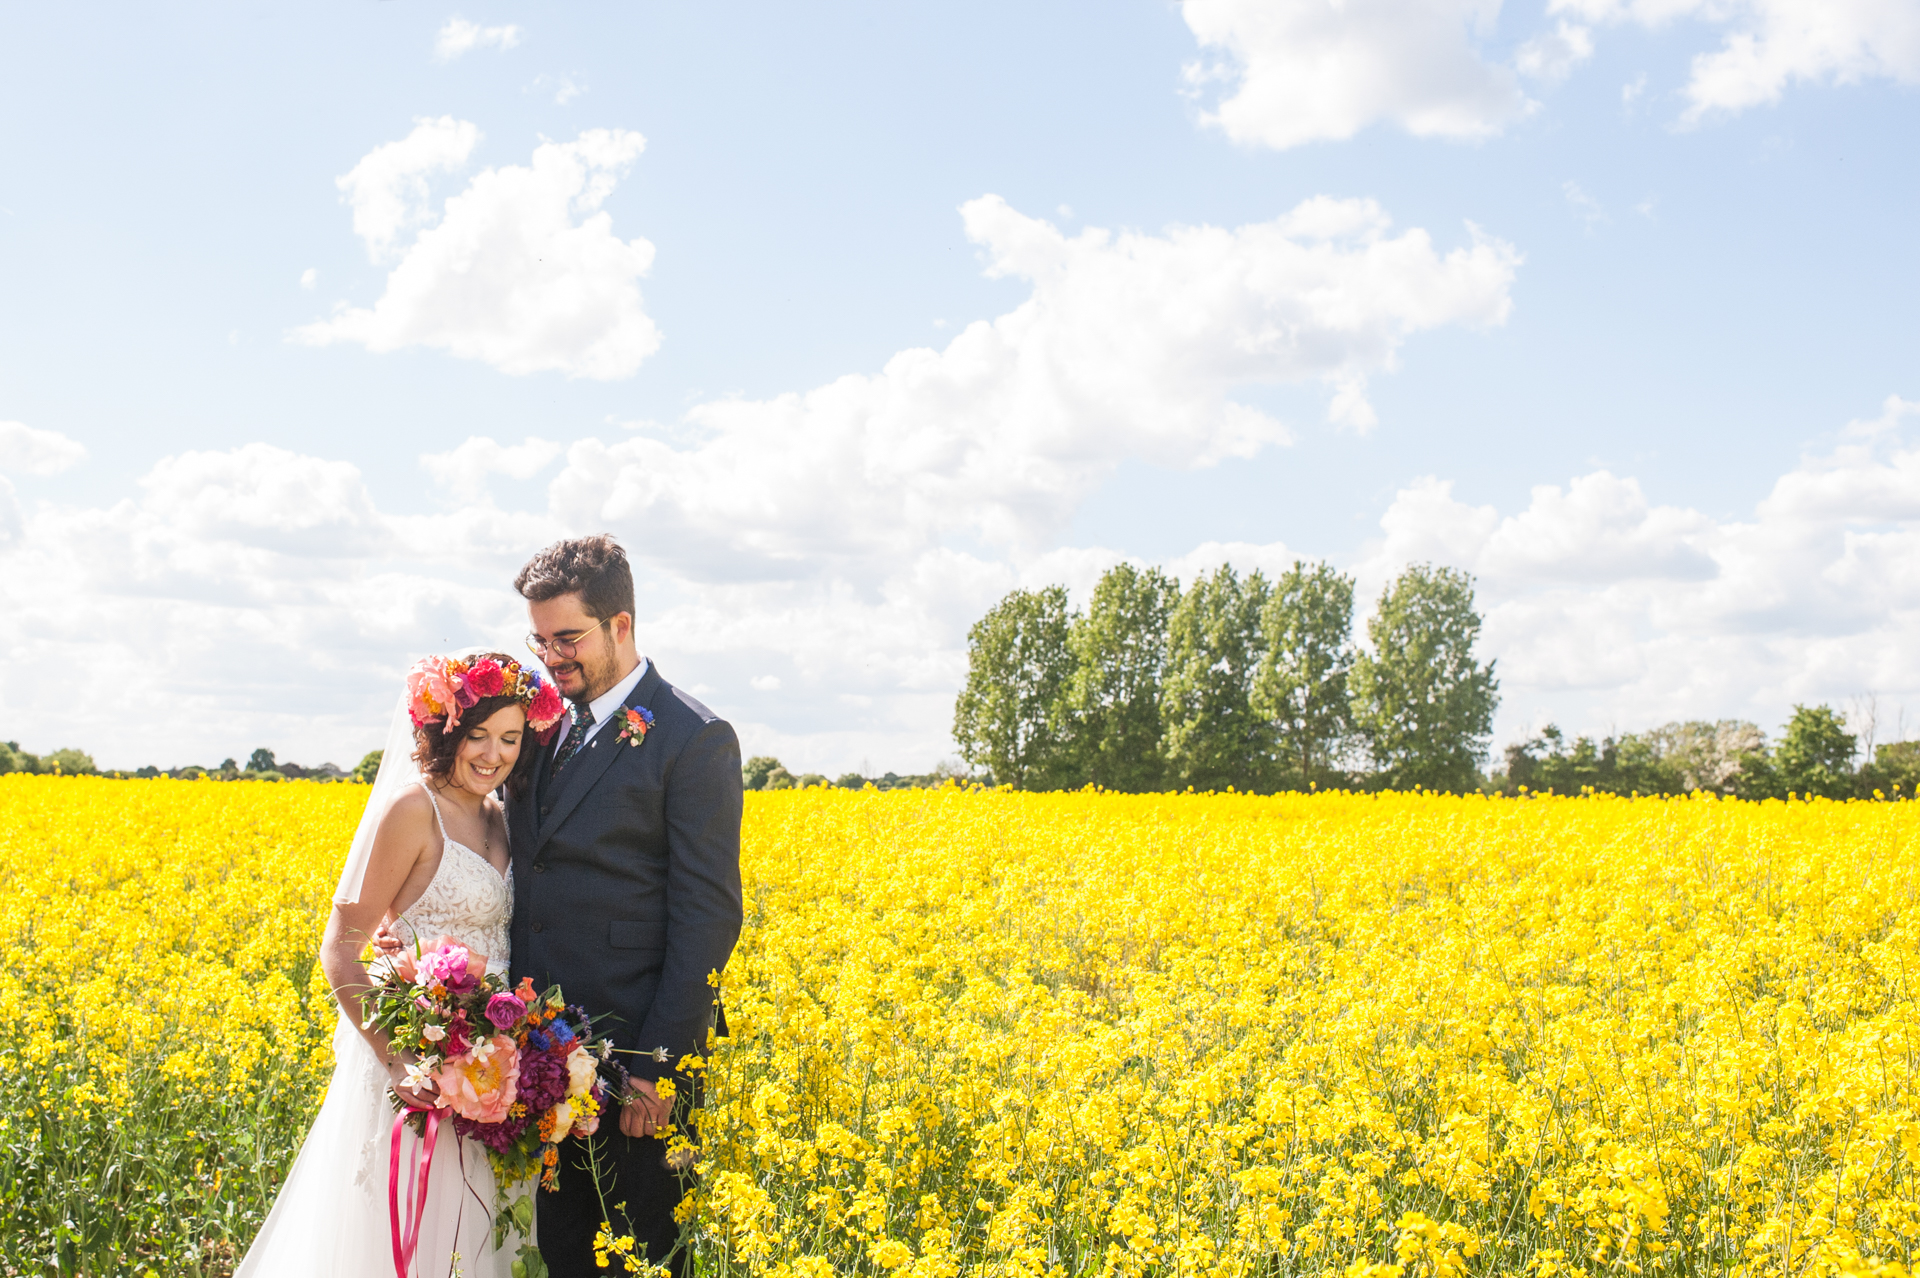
{"points": [[27, 451], [1652, 613], [309, 277], [388, 187], [522, 270], [844, 536], [274, 603], [460, 36], [1585, 205], [1552, 55], [1128, 345], [1772, 44], [1297, 71], [462, 473]]}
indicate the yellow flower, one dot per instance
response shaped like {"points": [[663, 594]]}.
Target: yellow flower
{"points": [[973, 1032]]}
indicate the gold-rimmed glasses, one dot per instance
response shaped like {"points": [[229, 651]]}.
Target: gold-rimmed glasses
{"points": [[561, 648]]}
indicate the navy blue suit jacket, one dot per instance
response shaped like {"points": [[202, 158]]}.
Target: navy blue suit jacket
{"points": [[626, 874]]}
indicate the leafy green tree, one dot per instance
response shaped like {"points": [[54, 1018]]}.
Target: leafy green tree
{"points": [[364, 771], [1422, 704], [14, 759], [1011, 715], [851, 781], [1726, 757], [261, 760], [69, 762], [1300, 687], [1629, 765], [1113, 699], [1895, 771], [1214, 736], [1815, 755], [758, 769]]}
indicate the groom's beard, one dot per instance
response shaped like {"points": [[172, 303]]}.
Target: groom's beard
{"points": [[599, 673]]}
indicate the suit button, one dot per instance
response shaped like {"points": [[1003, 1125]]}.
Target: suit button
{"points": [[539, 927], [539, 867], [546, 809]]}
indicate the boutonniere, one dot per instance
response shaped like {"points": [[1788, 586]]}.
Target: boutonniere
{"points": [[634, 724]]}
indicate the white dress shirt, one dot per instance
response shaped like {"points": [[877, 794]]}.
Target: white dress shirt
{"points": [[606, 703]]}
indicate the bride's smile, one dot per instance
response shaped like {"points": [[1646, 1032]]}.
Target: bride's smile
{"points": [[488, 752]]}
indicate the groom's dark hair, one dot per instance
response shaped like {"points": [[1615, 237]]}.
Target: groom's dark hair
{"points": [[595, 568]]}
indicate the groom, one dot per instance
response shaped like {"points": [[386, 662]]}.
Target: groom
{"points": [[626, 867]]}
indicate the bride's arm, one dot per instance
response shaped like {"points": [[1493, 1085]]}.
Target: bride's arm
{"points": [[403, 839]]}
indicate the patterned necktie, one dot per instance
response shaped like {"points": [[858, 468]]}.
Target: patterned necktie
{"points": [[582, 720]]}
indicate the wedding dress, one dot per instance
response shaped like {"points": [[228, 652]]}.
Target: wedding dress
{"points": [[330, 1220]]}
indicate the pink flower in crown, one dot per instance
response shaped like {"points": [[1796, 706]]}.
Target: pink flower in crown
{"points": [[463, 696], [431, 694], [486, 679]]}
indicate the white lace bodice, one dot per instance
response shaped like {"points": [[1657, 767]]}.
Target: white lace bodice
{"points": [[467, 899]]}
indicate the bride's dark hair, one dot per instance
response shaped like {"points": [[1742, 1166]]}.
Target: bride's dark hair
{"points": [[434, 750]]}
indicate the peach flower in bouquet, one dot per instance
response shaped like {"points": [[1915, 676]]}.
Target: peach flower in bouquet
{"points": [[480, 1085]]}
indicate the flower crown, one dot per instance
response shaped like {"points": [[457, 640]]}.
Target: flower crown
{"points": [[441, 689]]}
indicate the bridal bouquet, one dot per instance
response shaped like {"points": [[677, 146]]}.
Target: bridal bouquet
{"points": [[515, 1069]]}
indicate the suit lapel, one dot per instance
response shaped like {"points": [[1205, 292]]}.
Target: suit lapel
{"points": [[591, 763]]}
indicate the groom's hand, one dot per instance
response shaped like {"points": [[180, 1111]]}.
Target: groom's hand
{"points": [[645, 1112]]}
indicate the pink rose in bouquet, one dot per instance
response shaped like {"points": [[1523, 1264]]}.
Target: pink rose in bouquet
{"points": [[505, 1011], [480, 1084]]}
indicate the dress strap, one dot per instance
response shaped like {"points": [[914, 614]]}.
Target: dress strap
{"points": [[436, 809]]}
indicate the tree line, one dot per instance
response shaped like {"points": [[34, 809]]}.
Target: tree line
{"points": [[1256, 685], [1233, 682], [1816, 756], [261, 766]]}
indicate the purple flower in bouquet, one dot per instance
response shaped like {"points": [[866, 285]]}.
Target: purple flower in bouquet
{"points": [[495, 1136], [505, 1011], [543, 1080]]}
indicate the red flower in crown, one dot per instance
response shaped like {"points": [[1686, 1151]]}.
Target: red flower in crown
{"points": [[634, 724], [546, 710], [486, 678]]}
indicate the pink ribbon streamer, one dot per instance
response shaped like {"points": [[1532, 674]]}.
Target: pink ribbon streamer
{"points": [[406, 1242]]}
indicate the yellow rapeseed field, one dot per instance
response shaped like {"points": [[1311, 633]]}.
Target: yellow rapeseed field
{"points": [[983, 1032]]}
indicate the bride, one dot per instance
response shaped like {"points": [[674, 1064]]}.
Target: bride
{"points": [[428, 860]]}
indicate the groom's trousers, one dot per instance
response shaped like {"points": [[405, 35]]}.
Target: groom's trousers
{"points": [[634, 1172]]}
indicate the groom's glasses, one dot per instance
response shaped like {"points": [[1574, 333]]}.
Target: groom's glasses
{"points": [[561, 648]]}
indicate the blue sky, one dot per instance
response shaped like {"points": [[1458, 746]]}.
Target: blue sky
{"points": [[317, 320]]}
